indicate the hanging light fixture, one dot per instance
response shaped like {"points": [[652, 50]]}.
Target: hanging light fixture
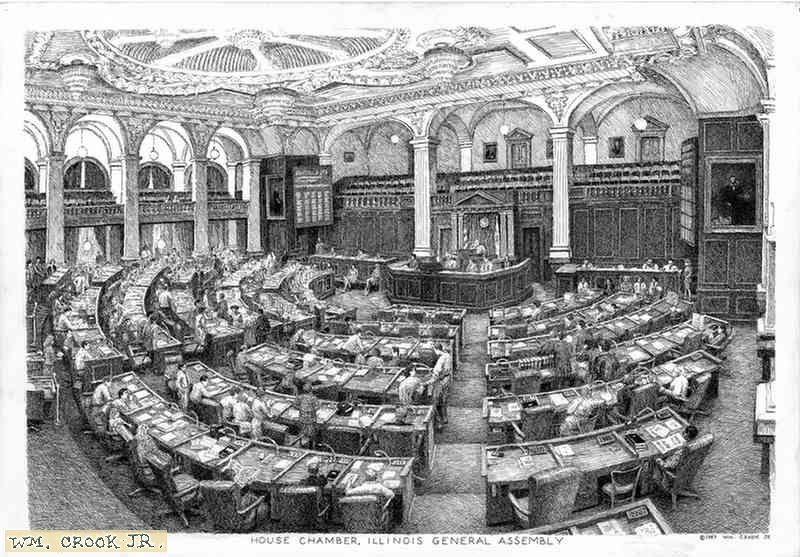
{"points": [[153, 151], [640, 124], [395, 139], [82, 150], [214, 153]]}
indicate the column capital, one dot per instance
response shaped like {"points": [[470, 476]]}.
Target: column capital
{"points": [[767, 108], [589, 139], [130, 157], [55, 157], [423, 142], [179, 164], [199, 160], [465, 144], [561, 132], [251, 161]]}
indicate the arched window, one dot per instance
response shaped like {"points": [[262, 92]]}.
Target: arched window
{"points": [[217, 179], [30, 177], [86, 173], [154, 176]]}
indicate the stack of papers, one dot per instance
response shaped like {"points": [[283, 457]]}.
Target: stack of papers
{"points": [[564, 450], [557, 399], [648, 529], [611, 527]]}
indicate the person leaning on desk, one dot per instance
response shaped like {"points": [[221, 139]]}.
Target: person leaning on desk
{"points": [[371, 486]]}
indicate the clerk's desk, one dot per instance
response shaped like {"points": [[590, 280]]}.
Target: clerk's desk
{"points": [[473, 291], [544, 309], [344, 433], [503, 469], [422, 314], [333, 379], [640, 517], [262, 467], [503, 411], [437, 331]]}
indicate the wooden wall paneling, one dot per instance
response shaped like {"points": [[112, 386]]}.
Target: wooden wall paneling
{"points": [[605, 232], [654, 242], [580, 233], [629, 232], [715, 262], [746, 262], [719, 303]]}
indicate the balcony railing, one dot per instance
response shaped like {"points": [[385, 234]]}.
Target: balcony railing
{"points": [[227, 208], [627, 173]]}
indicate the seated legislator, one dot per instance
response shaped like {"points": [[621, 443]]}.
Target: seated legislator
{"points": [[182, 388], [371, 486], [260, 412], [308, 404], [242, 414], [222, 307], [413, 264], [678, 388], [671, 462], [409, 387], [199, 393], [581, 414], [472, 267], [450, 262], [401, 416], [125, 401], [227, 403], [100, 400], [486, 265], [626, 285], [374, 361], [314, 478], [649, 265], [669, 266], [354, 344], [350, 278], [373, 281]]}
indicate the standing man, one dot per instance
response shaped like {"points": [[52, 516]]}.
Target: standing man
{"points": [[308, 404], [441, 376]]}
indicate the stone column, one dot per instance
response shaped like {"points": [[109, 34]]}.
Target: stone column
{"points": [[465, 149], [325, 159], [42, 167], [424, 186], [767, 286], [590, 150], [130, 198], [55, 207], [251, 174], [200, 198], [562, 176], [179, 176], [117, 178], [231, 171]]}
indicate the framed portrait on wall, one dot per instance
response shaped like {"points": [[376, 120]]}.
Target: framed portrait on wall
{"points": [[276, 198], [616, 147], [733, 194], [490, 152]]}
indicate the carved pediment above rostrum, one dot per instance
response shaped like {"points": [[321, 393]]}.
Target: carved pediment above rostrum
{"points": [[481, 199]]}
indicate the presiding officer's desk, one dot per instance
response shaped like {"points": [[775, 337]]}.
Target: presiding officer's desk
{"points": [[474, 291], [595, 454], [635, 518], [567, 277], [340, 264]]}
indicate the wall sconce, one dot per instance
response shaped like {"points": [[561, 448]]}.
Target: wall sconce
{"points": [[395, 139]]}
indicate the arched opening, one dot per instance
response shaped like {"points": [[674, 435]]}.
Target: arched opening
{"points": [[31, 178], [86, 173], [154, 176], [216, 180]]}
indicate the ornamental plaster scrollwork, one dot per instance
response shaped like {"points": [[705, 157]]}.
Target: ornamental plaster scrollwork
{"points": [[200, 135], [557, 102], [136, 128], [59, 122]]}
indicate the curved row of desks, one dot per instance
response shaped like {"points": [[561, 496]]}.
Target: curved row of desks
{"points": [[595, 454], [542, 310], [263, 467], [501, 412]]}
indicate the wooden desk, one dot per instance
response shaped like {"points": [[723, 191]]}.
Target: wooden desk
{"points": [[636, 518], [503, 469], [410, 349], [543, 310], [259, 466], [567, 277], [422, 314], [105, 275], [473, 291], [340, 264]]}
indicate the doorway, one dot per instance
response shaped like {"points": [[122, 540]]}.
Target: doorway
{"points": [[532, 248]]}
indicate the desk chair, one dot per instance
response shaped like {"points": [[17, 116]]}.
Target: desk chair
{"points": [[691, 407], [142, 471], [300, 507], [365, 513], [538, 422], [678, 482], [550, 497], [643, 396], [179, 489], [396, 440], [624, 483], [229, 509]]}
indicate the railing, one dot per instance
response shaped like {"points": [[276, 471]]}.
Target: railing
{"points": [[231, 208], [374, 202], [98, 214], [164, 196], [619, 174], [35, 216], [172, 210]]}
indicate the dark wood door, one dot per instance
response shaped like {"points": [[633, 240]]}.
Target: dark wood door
{"points": [[532, 248]]}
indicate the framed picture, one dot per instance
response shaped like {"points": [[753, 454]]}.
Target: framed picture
{"points": [[490, 152], [349, 156], [616, 147], [733, 194], [276, 198]]}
